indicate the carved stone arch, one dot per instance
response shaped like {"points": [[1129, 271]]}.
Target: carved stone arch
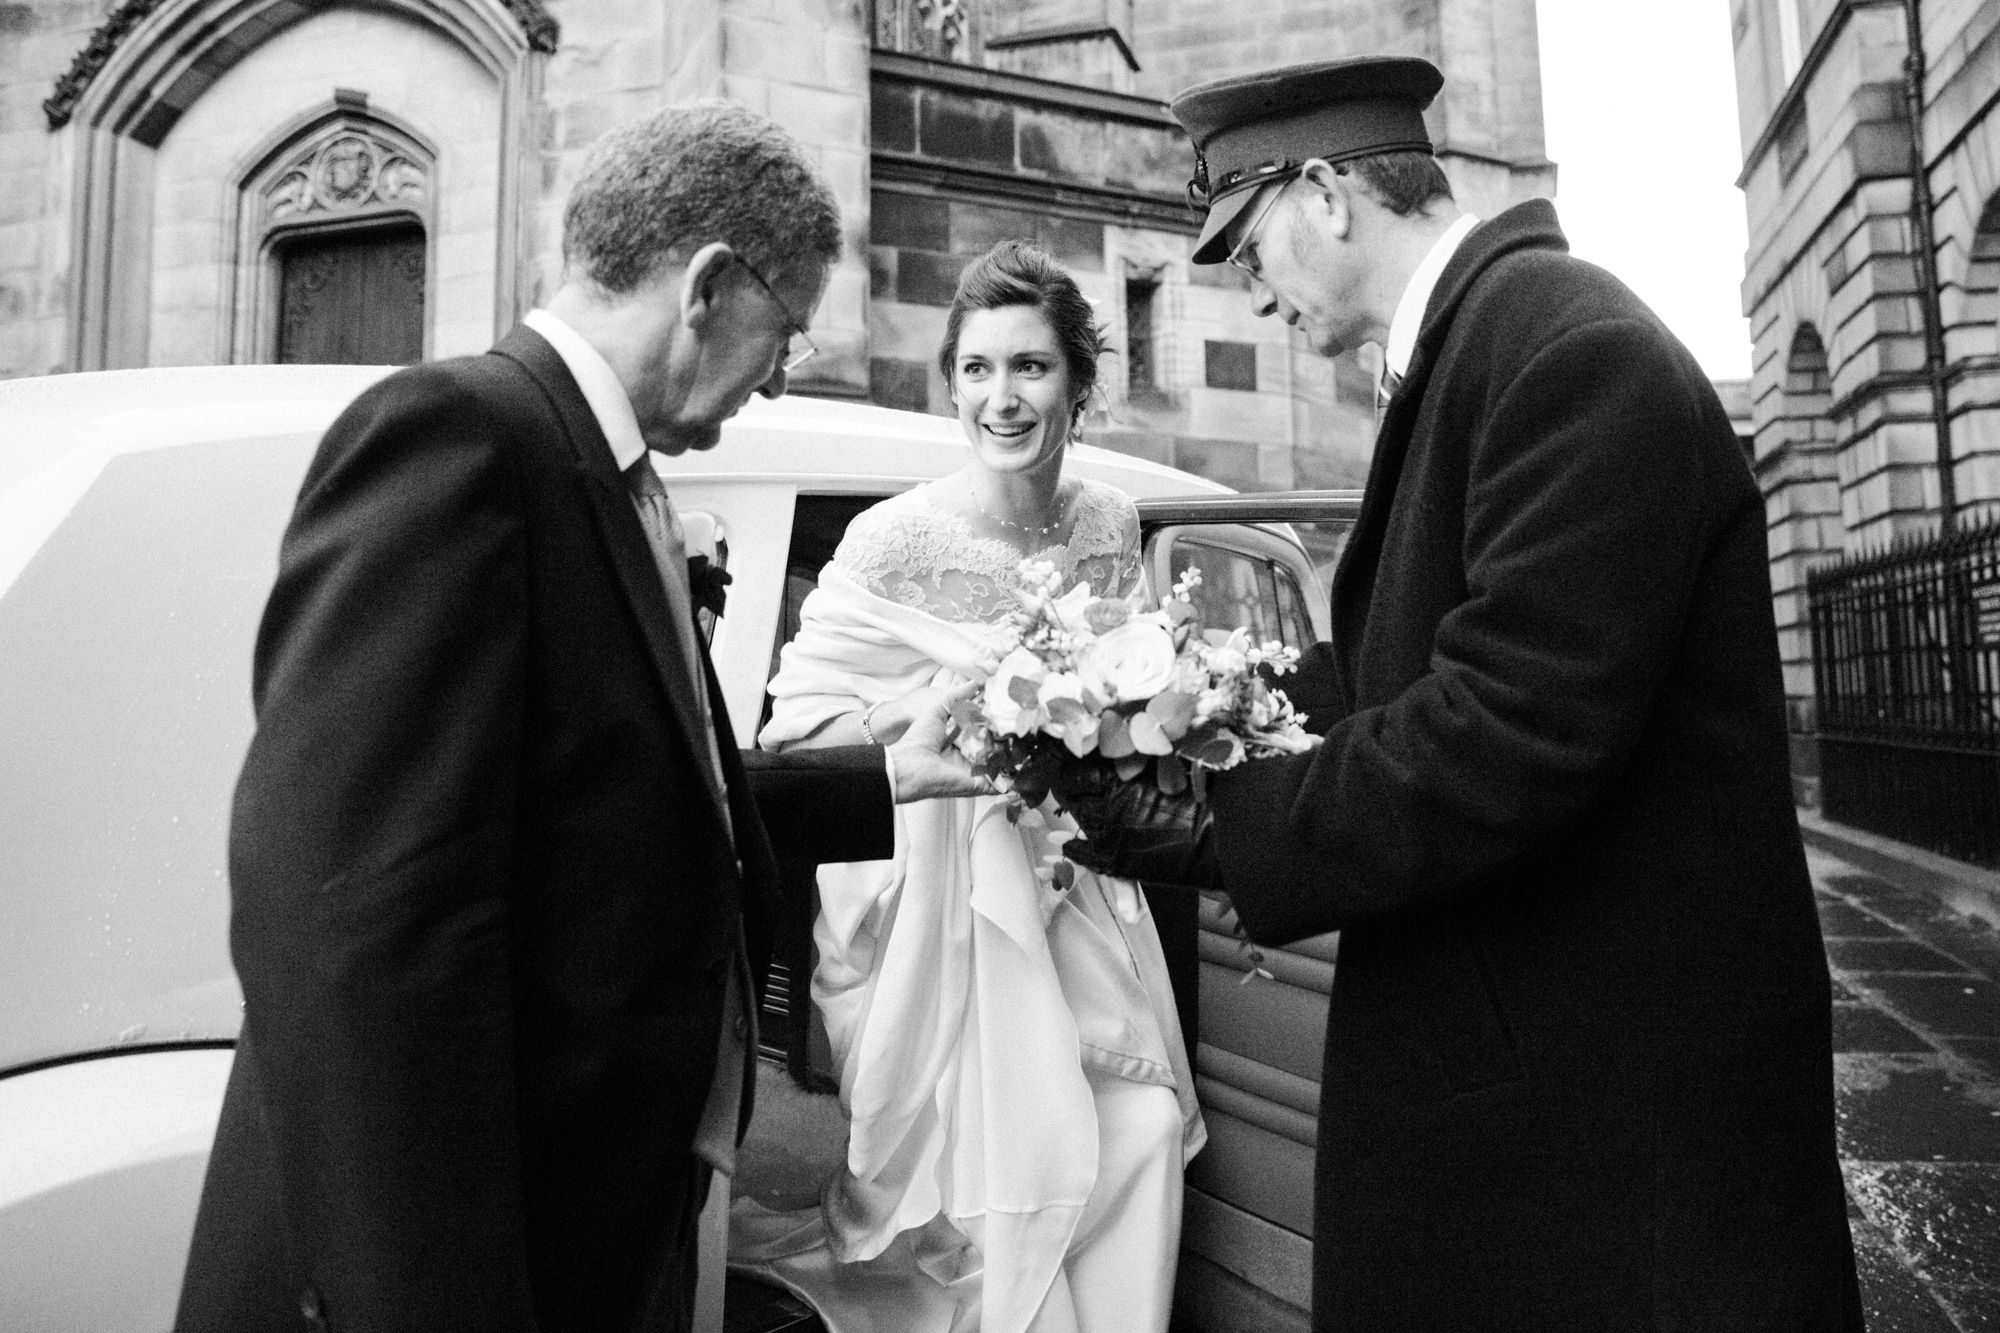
{"points": [[1981, 284], [151, 68], [341, 166], [1808, 388], [1807, 376]]}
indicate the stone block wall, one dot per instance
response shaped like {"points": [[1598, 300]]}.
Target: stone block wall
{"points": [[38, 38], [408, 71], [804, 63]]}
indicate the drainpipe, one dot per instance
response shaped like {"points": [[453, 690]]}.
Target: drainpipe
{"points": [[1927, 281]]}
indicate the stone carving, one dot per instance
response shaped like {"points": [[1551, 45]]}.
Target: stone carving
{"points": [[939, 29], [537, 25], [347, 172], [61, 103]]}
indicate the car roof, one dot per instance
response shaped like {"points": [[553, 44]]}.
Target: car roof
{"points": [[140, 517], [789, 438]]}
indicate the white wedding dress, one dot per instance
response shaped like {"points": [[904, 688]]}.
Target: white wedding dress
{"points": [[1018, 1095]]}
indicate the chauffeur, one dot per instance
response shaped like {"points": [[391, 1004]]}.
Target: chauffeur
{"points": [[1578, 1069]]}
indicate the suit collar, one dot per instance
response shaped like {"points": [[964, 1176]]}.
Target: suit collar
{"points": [[1528, 226], [598, 382], [631, 555]]}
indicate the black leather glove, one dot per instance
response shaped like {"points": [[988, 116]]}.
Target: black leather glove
{"points": [[1134, 830]]}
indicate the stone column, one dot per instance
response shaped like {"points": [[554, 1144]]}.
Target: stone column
{"points": [[804, 63]]}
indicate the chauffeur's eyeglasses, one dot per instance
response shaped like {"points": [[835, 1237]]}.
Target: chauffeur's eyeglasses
{"points": [[1239, 254], [802, 348]]}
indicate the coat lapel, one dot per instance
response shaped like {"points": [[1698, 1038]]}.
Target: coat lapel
{"points": [[1531, 225], [625, 541]]}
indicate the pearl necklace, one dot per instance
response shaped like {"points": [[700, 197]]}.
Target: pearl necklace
{"points": [[1038, 529]]}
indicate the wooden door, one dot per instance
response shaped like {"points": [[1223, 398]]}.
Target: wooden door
{"points": [[352, 297]]}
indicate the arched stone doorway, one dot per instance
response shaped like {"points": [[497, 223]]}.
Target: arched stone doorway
{"points": [[336, 218], [182, 115]]}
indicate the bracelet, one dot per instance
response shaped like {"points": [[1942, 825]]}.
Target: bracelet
{"points": [[868, 732]]}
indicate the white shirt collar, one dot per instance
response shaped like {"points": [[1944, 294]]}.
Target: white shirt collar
{"points": [[599, 383], [1409, 319]]}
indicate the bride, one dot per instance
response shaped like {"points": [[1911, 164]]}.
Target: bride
{"points": [[1018, 1094]]}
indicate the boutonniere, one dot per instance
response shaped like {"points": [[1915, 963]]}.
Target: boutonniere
{"points": [[707, 584]]}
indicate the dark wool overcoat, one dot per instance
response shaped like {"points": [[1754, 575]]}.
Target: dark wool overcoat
{"points": [[1578, 1070], [485, 899]]}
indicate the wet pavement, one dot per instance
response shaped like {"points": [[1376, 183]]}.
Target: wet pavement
{"points": [[1914, 945], [1915, 953]]}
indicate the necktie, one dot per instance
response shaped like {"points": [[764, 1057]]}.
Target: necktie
{"points": [[1386, 389], [715, 1136]]}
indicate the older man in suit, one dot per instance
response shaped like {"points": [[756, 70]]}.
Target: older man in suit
{"points": [[1578, 1069], [497, 870]]}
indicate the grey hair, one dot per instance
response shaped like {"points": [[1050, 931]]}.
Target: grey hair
{"points": [[655, 191]]}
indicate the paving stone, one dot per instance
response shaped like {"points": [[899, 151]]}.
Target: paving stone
{"points": [[1975, 1311], [1888, 955], [1945, 1219], [1861, 1027], [1892, 1297], [1944, 1006], [1912, 1108], [1840, 918], [1982, 1052]]}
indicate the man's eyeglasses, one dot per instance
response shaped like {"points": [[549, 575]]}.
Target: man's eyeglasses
{"points": [[1236, 258], [803, 349]]}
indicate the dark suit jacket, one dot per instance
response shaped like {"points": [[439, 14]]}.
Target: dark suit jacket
{"points": [[484, 898], [1578, 1069]]}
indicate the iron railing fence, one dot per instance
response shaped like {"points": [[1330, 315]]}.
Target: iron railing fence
{"points": [[1906, 670]]}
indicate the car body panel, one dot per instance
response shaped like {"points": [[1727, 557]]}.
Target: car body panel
{"points": [[140, 517]]}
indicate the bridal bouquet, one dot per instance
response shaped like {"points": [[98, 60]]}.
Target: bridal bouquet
{"points": [[1082, 675]]}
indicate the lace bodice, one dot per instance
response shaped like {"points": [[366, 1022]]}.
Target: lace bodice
{"points": [[913, 552]]}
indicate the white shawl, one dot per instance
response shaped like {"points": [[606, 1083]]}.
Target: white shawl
{"points": [[963, 994]]}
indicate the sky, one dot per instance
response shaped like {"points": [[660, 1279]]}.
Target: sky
{"points": [[1639, 102]]}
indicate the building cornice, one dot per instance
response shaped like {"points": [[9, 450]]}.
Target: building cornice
{"points": [[538, 26], [1822, 46], [1097, 203], [951, 76], [1059, 33]]}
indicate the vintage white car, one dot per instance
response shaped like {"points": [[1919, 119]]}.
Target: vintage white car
{"points": [[140, 513]]}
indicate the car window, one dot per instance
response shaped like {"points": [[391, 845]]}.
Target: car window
{"points": [[1236, 589], [1293, 613], [818, 523]]}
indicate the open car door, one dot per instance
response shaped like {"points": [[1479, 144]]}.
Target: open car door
{"points": [[1255, 1019]]}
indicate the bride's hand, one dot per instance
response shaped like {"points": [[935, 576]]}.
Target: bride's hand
{"points": [[925, 765]]}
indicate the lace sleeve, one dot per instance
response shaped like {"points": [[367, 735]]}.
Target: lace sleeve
{"points": [[1105, 540], [868, 549]]}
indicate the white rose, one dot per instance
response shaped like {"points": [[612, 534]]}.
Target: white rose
{"points": [[1006, 712], [1069, 608], [1134, 661], [1072, 715]]}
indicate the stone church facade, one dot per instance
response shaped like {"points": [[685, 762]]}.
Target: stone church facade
{"points": [[196, 182], [1846, 439]]}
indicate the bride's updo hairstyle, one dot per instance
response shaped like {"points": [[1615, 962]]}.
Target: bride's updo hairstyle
{"points": [[1022, 273]]}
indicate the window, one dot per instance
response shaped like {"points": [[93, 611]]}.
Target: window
{"points": [[1140, 374], [1243, 591], [1230, 365]]}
